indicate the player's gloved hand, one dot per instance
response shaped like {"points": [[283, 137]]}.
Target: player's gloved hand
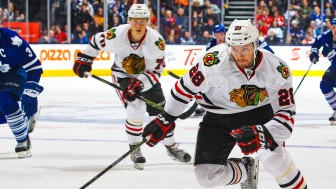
{"points": [[314, 55], [158, 128], [29, 98], [251, 138], [134, 88], [83, 63]]}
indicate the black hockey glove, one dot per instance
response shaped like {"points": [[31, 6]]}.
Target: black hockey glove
{"points": [[314, 55], [251, 138], [134, 88], [159, 128], [83, 63]]}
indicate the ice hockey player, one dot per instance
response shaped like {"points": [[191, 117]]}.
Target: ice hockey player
{"points": [[138, 65], [20, 73], [218, 32], [250, 102], [327, 40]]}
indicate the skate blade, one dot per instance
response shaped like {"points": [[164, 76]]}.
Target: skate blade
{"points": [[139, 166], [181, 161], [332, 122], [24, 154]]}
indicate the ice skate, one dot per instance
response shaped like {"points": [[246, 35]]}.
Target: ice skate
{"points": [[178, 154], [199, 112], [31, 123], [23, 149], [138, 159], [252, 169], [332, 119]]}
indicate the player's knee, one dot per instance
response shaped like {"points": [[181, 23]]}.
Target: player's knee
{"points": [[206, 176], [326, 86]]}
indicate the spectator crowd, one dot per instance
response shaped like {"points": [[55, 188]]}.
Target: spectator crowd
{"points": [[279, 24]]}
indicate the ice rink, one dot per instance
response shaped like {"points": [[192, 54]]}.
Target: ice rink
{"points": [[81, 132]]}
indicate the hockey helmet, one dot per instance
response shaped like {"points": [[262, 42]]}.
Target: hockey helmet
{"points": [[333, 21], [218, 28], [138, 11], [242, 32]]}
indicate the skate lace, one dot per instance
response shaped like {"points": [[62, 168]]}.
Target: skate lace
{"points": [[22, 145], [176, 151], [136, 153]]}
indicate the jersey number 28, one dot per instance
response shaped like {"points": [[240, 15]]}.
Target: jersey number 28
{"points": [[286, 97], [196, 76]]}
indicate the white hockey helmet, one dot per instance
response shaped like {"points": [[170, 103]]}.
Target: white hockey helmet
{"points": [[242, 32], [138, 11]]}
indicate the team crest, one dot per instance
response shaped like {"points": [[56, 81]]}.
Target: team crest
{"points": [[283, 69], [248, 95], [161, 44], [211, 58], [110, 34], [133, 64]]}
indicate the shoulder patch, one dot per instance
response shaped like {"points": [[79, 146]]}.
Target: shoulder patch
{"points": [[160, 44], [110, 34], [283, 70], [211, 59]]}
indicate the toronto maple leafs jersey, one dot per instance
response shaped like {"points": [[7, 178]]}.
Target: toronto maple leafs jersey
{"points": [[221, 87], [143, 60], [14, 53], [328, 42]]}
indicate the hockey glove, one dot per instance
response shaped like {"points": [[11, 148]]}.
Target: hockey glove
{"points": [[29, 98], [314, 55], [159, 128], [134, 88], [251, 138], [83, 63]]}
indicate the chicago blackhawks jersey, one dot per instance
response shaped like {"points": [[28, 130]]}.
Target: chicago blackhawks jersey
{"points": [[221, 87], [143, 60], [14, 53]]}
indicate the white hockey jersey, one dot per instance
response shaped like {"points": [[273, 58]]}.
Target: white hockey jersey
{"points": [[144, 60], [221, 87]]}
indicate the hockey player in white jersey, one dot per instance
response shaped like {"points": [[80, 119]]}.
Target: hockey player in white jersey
{"points": [[139, 62], [248, 96]]}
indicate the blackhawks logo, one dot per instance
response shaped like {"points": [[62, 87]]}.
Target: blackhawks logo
{"points": [[110, 34], [211, 58], [283, 69], [248, 95], [133, 64], [161, 44]]}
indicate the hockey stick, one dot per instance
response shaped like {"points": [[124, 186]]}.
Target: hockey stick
{"points": [[184, 115], [303, 77], [173, 74], [192, 109], [116, 162], [153, 104]]}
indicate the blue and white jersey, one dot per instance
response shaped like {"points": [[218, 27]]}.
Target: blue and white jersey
{"points": [[326, 40], [16, 52], [261, 44]]}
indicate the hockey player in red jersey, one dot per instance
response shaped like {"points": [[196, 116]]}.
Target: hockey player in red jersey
{"points": [[138, 65], [248, 97]]}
